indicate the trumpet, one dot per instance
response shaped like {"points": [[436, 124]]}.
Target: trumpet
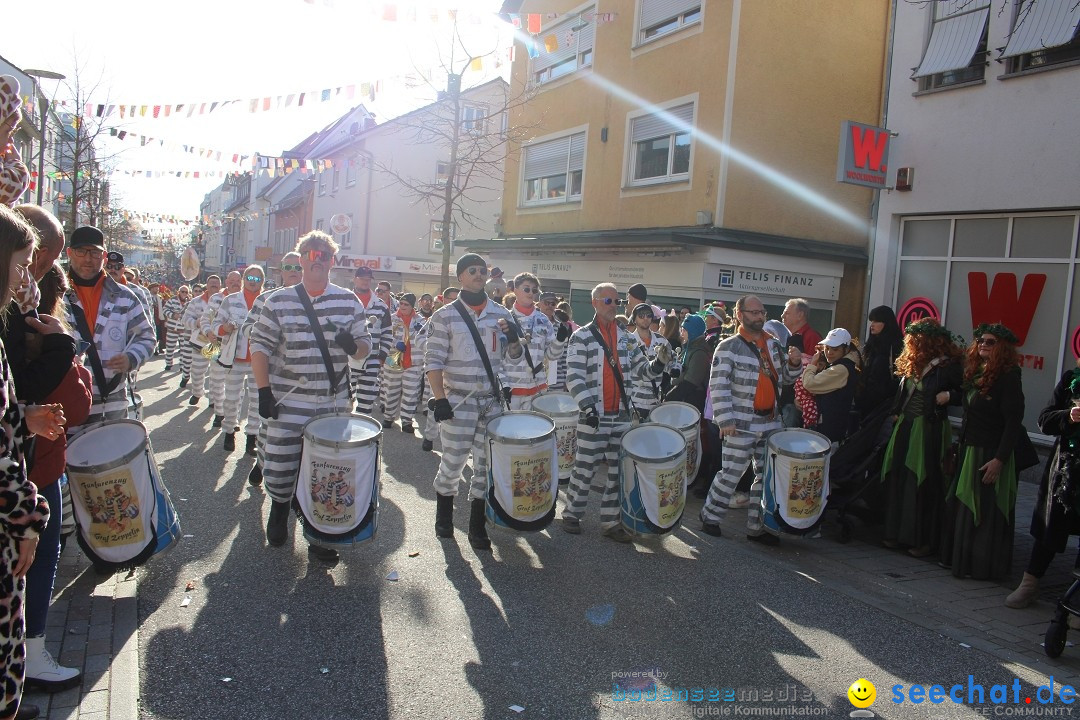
{"points": [[395, 360], [211, 349]]}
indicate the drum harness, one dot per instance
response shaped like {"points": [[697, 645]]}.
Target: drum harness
{"points": [[635, 418], [334, 378], [106, 388], [459, 304]]}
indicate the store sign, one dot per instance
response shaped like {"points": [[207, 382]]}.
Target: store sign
{"points": [[1003, 304], [864, 155], [420, 267], [739, 280], [621, 273], [375, 262], [916, 309]]}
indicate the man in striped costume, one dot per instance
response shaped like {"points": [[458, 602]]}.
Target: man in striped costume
{"points": [[748, 371], [291, 373], [291, 274], [646, 394], [545, 343], [197, 339], [463, 398], [109, 316], [429, 429], [175, 338], [364, 374], [403, 386], [236, 356], [217, 369], [605, 409]]}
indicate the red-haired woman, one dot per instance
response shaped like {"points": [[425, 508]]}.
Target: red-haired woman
{"points": [[978, 540], [930, 372]]}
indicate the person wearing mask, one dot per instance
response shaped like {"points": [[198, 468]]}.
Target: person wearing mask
{"points": [[175, 337], [365, 376], [198, 339], [235, 357], [544, 342], [878, 383], [402, 381]]}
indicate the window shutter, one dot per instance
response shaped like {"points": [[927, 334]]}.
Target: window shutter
{"points": [[648, 127], [577, 152], [953, 42], [547, 158], [657, 11]]}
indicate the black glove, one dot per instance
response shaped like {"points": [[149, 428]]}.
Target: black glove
{"points": [[675, 372], [657, 367], [346, 342], [563, 332], [267, 404], [562, 316], [506, 395], [511, 333], [440, 409], [590, 418]]}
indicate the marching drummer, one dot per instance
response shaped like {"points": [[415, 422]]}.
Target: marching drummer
{"points": [[544, 342], [604, 364], [468, 389], [748, 371], [303, 374]]}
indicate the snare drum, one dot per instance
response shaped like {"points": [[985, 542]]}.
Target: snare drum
{"points": [[135, 410], [563, 411], [685, 418], [652, 483], [796, 481], [522, 471], [338, 485], [122, 509]]}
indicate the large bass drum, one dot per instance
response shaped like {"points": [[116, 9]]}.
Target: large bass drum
{"points": [[796, 480], [652, 482], [563, 411], [522, 471], [685, 418]]}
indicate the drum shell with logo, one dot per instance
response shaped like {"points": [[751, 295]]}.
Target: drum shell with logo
{"points": [[563, 411], [122, 509], [652, 478], [685, 418], [796, 480], [337, 490], [522, 471]]}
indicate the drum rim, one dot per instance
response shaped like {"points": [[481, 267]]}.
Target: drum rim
{"points": [[342, 444], [676, 402], [102, 467], [520, 441], [641, 458], [568, 413], [800, 455]]}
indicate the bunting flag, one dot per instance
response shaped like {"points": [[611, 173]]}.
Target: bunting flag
{"points": [[551, 43], [207, 153]]}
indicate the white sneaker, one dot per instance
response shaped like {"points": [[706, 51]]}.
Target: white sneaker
{"points": [[44, 673], [739, 501]]}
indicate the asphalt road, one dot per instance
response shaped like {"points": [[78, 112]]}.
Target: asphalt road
{"points": [[547, 622]]}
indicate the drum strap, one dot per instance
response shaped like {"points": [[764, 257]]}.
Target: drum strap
{"points": [[464, 312], [615, 369], [316, 328], [106, 388], [525, 345]]}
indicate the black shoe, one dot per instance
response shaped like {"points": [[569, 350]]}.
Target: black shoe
{"points": [[323, 553], [250, 448], [711, 529], [388, 424], [427, 446], [168, 367], [764, 538], [444, 516], [193, 400], [218, 419], [183, 381], [27, 712], [255, 476], [406, 427], [478, 536], [277, 526], [230, 442]]}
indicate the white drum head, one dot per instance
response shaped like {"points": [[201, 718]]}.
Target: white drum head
{"points": [[653, 442], [799, 443], [343, 430], [676, 414], [105, 444], [555, 403], [520, 426]]}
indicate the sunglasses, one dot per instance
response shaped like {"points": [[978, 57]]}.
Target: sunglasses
{"points": [[528, 290], [477, 270], [253, 278], [319, 255], [114, 266], [91, 252], [608, 301], [286, 267], [988, 342]]}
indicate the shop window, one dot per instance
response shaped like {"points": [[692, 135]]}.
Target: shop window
{"points": [[1042, 237], [926, 238], [980, 237]]}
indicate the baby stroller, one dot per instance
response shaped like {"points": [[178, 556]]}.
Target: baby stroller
{"points": [[855, 472], [1054, 641]]}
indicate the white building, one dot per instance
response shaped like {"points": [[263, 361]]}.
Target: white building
{"points": [[988, 124]]}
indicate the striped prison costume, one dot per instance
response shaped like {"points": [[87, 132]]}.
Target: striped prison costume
{"points": [[249, 323], [429, 429], [452, 350], [199, 362], [217, 370], [646, 395], [403, 388], [298, 376], [239, 381], [176, 340], [585, 363], [526, 382], [732, 386], [121, 327], [364, 376]]}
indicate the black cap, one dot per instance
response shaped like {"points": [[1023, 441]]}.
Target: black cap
{"points": [[409, 298], [115, 257], [364, 271], [548, 297], [468, 260], [496, 272], [642, 309], [87, 236], [639, 291]]}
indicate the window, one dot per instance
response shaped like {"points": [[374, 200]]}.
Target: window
{"points": [[436, 236], [660, 17], [350, 173], [322, 182], [442, 172], [565, 48], [660, 150], [334, 185], [472, 118], [554, 170], [956, 52], [1044, 34]]}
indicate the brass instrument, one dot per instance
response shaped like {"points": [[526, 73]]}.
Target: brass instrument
{"points": [[212, 347], [395, 361]]}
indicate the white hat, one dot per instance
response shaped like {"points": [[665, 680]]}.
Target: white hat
{"points": [[837, 337]]}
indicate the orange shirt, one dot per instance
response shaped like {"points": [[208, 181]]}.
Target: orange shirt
{"points": [[90, 298], [765, 397], [612, 399]]}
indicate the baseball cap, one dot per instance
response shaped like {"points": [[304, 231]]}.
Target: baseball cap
{"points": [[364, 271], [115, 257], [837, 337], [87, 236]]}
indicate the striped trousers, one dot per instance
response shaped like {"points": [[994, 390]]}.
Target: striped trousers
{"points": [[402, 391], [429, 429], [217, 386], [240, 382], [199, 367], [365, 385], [466, 432], [284, 439], [594, 447], [740, 449], [176, 343]]}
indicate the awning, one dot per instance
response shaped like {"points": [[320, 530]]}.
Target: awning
{"points": [[1042, 24], [953, 42]]}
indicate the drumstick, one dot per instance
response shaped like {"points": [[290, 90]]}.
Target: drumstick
{"points": [[301, 382]]}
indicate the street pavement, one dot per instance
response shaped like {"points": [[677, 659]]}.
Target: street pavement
{"points": [[548, 625]]}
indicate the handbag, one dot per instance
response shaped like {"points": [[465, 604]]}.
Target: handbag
{"points": [[1024, 454]]}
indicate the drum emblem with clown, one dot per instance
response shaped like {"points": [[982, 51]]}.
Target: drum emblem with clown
{"points": [[333, 491], [112, 509], [805, 490], [531, 476]]}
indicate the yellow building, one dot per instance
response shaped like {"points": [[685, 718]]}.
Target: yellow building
{"points": [[691, 145]]}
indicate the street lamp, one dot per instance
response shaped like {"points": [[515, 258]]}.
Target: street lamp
{"points": [[43, 104]]}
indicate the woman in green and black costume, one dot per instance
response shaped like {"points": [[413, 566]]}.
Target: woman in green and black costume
{"points": [[930, 371], [978, 539]]}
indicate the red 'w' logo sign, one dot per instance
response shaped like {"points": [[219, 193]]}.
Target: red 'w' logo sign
{"points": [[1002, 304], [868, 147]]}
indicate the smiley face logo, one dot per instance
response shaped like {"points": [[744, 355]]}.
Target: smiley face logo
{"points": [[862, 693]]}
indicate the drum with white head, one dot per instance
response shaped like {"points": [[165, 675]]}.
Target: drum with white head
{"points": [[652, 483], [522, 471], [796, 480], [563, 411], [685, 418]]}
